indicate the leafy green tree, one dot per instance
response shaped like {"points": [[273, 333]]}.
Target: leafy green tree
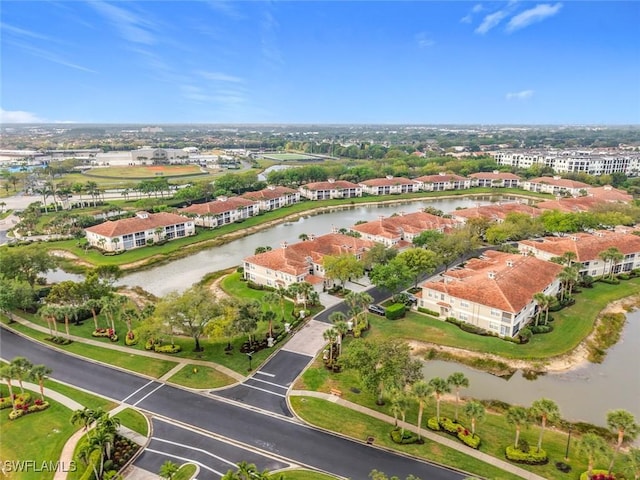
{"points": [[342, 267], [544, 410], [631, 465], [382, 365], [427, 238], [25, 263], [378, 254], [419, 261], [378, 475], [624, 425], [458, 380], [393, 276], [246, 322], [594, 448], [518, 416]]}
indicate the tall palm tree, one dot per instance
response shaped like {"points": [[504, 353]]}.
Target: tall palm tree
{"points": [[611, 256], [458, 380], [593, 447], [518, 416], [357, 303], [341, 329], [330, 336], [440, 387], [40, 373], [546, 411], [6, 373], [21, 370], [568, 276], [399, 405], [623, 423], [422, 392], [476, 413], [568, 258], [83, 417]]}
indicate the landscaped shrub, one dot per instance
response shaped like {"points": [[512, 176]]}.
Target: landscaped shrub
{"points": [[20, 399], [469, 439], [541, 329], [24, 408], [131, 338], [428, 312], [404, 438], [395, 311], [624, 276], [529, 457], [610, 281], [597, 475], [167, 348], [433, 424], [449, 425], [563, 467]]}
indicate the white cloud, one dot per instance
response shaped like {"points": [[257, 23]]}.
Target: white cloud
{"points": [[468, 18], [132, 27], [522, 95], [477, 8], [490, 21], [19, 116], [424, 41], [533, 15], [220, 77]]}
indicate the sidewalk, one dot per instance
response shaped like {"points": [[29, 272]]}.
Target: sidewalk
{"points": [[426, 433], [144, 353]]}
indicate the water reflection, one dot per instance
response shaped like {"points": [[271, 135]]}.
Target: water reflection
{"points": [[585, 393]]}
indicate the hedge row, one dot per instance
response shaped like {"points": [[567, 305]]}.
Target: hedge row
{"points": [[531, 457], [453, 428]]}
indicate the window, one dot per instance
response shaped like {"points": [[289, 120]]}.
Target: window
{"points": [[127, 241], [464, 304], [180, 232], [494, 326], [140, 239], [463, 316], [495, 313]]}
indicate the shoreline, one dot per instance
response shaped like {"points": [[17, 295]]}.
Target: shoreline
{"points": [[576, 358]]}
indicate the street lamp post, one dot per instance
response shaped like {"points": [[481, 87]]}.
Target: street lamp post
{"points": [[250, 356], [566, 453]]}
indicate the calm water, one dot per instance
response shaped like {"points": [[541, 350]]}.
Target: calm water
{"points": [[584, 393], [182, 273]]}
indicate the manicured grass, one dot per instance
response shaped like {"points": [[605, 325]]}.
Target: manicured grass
{"points": [[148, 366], [198, 376], [141, 171], [571, 326], [360, 426], [134, 420], [306, 475], [41, 436], [185, 472]]}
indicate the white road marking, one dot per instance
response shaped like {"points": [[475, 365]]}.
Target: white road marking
{"points": [[201, 465], [265, 373], [144, 386], [151, 392], [264, 390], [269, 383], [195, 449]]}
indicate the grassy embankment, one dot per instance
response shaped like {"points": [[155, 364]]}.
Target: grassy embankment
{"points": [[41, 436]]}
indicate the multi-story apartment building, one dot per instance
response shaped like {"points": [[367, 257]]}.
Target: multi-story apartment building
{"points": [[442, 182], [221, 211], [389, 186], [273, 197], [330, 189], [495, 179], [556, 186]]}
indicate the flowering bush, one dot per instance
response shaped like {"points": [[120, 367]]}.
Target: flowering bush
{"points": [[598, 475], [530, 457], [131, 338]]}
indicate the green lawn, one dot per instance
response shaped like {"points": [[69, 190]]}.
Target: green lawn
{"points": [[134, 420], [198, 376], [186, 472], [571, 326], [41, 436], [307, 475]]}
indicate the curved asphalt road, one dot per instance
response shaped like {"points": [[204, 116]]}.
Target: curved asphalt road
{"points": [[211, 424]]}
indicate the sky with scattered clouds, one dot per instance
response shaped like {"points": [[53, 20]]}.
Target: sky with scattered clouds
{"points": [[394, 62]]}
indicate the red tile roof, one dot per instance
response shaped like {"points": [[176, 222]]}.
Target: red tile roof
{"points": [[137, 224], [587, 246], [496, 211], [412, 223], [220, 205], [504, 281], [330, 185], [610, 194], [269, 193], [383, 182], [570, 205], [295, 258]]}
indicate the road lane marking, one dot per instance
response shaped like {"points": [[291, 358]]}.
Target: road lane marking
{"points": [[170, 442], [265, 373], [144, 386], [150, 393], [269, 383], [264, 390], [189, 460]]}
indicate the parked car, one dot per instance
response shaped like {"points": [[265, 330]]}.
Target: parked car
{"points": [[377, 309]]}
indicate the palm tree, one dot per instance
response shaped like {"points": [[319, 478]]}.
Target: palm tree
{"points": [[440, 387], [399, 405], [544, 303], [84, 417], [168, 469], [624, 424], [358, 302], [593, 447], [631, 466], [458, 380], [476, 412], [547, 411], [518, 416], [102, 440], [21, 370], [6, 373], [330, 336], [245, 471], [48, 314], [422, 392], [304, 237], [568, 258], [611, 256], [40, 373], [568, 276]]}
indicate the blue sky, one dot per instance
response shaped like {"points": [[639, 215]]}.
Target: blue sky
{"points": [[419, 62]]}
